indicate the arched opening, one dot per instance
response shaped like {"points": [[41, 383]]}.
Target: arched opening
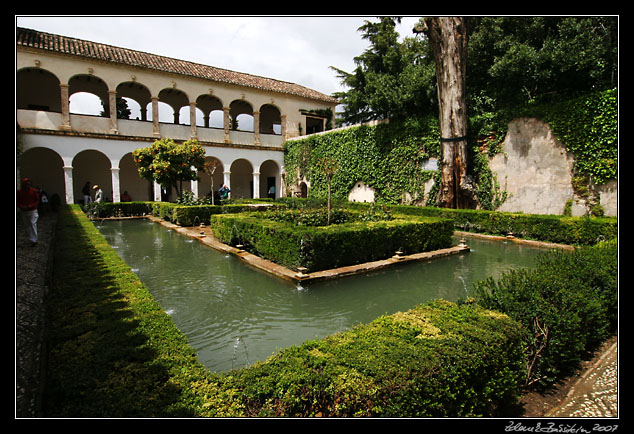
{"points": [[82, 90], [241, 179], [211, 179], [212, 112], [241, 114], [46, 169], [270, 120], [303, 190], [85, 103], [37, 89], [269, 180], [137, 96], [175, 99], [93, 167], [130, 181]]}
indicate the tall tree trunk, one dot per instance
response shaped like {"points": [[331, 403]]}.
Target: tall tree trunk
{"points": [[448, 38]]}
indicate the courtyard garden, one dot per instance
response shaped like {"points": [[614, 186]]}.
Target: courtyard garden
{"points": [[115, 352]]}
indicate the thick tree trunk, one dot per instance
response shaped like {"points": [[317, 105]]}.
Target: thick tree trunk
{"points": [[448, 38]]}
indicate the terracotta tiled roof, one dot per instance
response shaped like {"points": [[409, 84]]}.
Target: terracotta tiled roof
{"points": [[109, 53]]}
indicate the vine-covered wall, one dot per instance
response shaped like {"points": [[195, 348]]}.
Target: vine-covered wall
{"points": [[389, 157]]}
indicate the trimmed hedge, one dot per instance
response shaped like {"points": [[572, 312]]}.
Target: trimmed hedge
{"points": [[436, 360], [337, 245], [551, 228], [192, 215], [114, 352], [112, 349], [119, 209], [567, 303]]}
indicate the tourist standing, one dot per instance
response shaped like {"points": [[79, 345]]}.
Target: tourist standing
{"points": [[86, 192], [98, 194], [224, 192], [28, 201]]}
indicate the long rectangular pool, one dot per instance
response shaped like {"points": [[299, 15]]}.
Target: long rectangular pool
{"points": [[234, 315]]}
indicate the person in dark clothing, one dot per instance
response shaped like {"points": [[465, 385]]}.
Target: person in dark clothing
{"points": [[28, 201]]}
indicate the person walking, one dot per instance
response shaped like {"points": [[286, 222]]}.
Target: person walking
{"points": [[28, 201]]}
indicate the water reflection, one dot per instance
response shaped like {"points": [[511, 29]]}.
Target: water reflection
{"points": [[219, 302]]}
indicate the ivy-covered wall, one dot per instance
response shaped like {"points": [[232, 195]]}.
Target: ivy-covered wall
{"points": [[389, 157]]}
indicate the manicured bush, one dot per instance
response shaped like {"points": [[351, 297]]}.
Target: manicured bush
{"points": [[119, 209], [112, 349], [325, 247], [435, 360], [567, 303], [550, 228]]}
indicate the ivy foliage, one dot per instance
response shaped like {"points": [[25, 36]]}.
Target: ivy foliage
{"points": [[388, 157], [587, 126]]}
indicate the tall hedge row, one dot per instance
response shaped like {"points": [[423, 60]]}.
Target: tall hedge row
{"points": [[325, 247]]}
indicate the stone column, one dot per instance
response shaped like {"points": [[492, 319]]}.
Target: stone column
{"points": [[65, 108], [68, 184], [194, 185], [256, 185], [192, 121], [157, 192], [283, 120], [227, 179], [226, 125], [155, 117], [112, 97], [256, 127], [116, 193]]}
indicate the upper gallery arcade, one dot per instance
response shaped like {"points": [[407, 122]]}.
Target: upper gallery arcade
{"points": [[240, 119]]}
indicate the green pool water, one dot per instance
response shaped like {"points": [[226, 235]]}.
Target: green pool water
{"points": [[234, 315]]}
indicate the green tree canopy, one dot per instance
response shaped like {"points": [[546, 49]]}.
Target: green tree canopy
{"points": [[511, 61], [168, 163], [517, 60], [392, 79]]}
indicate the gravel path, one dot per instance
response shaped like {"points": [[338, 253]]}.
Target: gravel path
{"points": [[32, 269]]}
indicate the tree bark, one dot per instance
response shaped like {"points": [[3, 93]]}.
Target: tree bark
{"points": [[448, 38]]}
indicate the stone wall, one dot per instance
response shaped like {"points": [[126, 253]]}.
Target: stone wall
{"points": [[536, 171]]}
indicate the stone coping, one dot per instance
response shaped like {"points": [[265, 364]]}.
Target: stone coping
{"points": [[203, 234], [511, 238]]}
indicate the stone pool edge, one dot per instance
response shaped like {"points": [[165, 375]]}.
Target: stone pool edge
{"points": [[203, 234]]}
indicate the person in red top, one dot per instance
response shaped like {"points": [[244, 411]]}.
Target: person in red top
{"points": [[28, 201]]}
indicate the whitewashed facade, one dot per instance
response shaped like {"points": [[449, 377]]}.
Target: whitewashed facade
{"points": [[240, 119]]}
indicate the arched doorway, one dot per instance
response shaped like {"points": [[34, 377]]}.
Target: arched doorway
{"points": [[241, 179], [94, 167], [46, 169], [130, 181], [269, 180], [214, 172]]}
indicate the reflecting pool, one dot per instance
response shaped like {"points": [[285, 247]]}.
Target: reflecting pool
{"points": [[234, 315]]}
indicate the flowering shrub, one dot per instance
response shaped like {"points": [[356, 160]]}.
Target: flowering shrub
{"points": [[168, 163]]}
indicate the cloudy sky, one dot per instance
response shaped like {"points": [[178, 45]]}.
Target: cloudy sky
{"points": [[298, 49]]}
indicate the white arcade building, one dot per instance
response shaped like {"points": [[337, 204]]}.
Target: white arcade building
{"points": [[241, 120]]}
